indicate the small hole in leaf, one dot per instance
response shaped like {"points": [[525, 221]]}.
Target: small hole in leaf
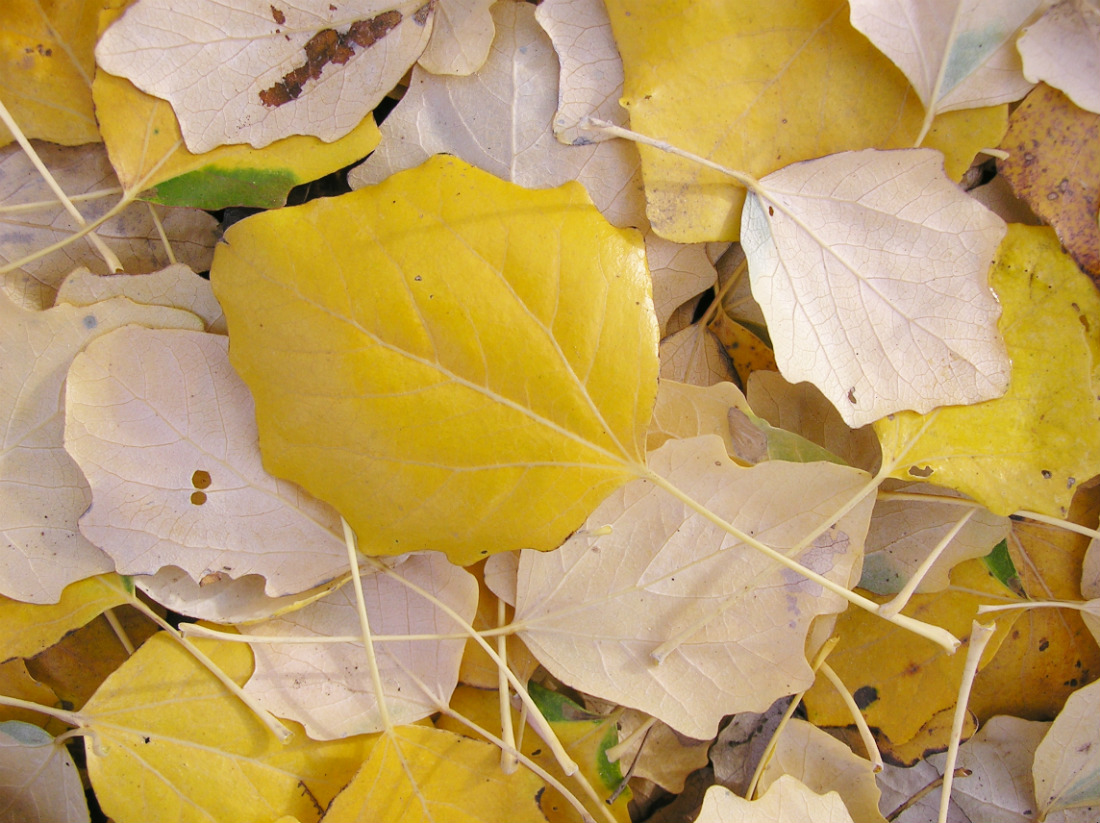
{"points": [[1046, 475], [198, 498], [201, 479]]}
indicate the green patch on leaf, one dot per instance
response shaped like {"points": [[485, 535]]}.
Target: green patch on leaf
{"points": [[217, 187]]}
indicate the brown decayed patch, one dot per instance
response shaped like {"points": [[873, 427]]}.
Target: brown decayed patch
{"points": [[329, 46], [278, 16]]}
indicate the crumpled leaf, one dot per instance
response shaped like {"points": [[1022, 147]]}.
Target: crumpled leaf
{"points": [[27, 629], [901, 681], [500, 120], [39, 782], [591, 79], [255, 72], [462, 32], [822, 764], [802, 409], [958, 54], [132, 235], [144, 141], [831, 246], [1066, 770], [397, 398], [584, 736], [164, 431], [174, 286], [42, 491], [904, 532], [325, 686], [46, 63], [161, 713], [426, 775], [737, 621], [787, 799], [1054, 165], [779, 73], [1031, 447], [1062, 49]]}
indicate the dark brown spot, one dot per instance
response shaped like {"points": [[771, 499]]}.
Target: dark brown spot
{"points": [[329, 46], [865, 696], [198, 498], [201, 479], [421, 15], [278, 16], [1044, 644]]}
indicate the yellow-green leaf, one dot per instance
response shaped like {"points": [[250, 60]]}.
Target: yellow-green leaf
{"points": [[1030, 448], [172, 743], [757, 87], [26, 628], [452, 361]]}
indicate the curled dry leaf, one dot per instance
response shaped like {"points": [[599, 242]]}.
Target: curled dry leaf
{"points": [[833, 246], [326, 686], [727, 624], [165, 432], [255, 71], [500, 120]]}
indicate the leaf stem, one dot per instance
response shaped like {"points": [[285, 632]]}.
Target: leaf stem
{"points": [[873, 754], [72, 718], [900, 600], [1058, 522]]}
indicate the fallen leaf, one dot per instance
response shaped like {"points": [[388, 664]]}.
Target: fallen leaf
{"points": [[186, 487], [26, 629], [161, 713], [904, 531], [175, 286], [802, 409], [958, 54], [1054, 165], [787, 799], [1066, 770], [500, 119], [694, 355], [477, 668], [788, 78], [741, 744], [736, 621], [43, 491], [46, 64], [660, 754], [684, 411], [326, 687], [590, 82], [901, 785], [423, 775], [39, 782], [400, 399], [1031, 447], [255, 72], [679, 273], [831, 244], [1062, 49], [16, 681], [143, 139], [462, 32], [747, 351], [901, 681], [822, 764], [31, 219]]}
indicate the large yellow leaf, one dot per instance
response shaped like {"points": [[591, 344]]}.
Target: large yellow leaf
{"points": [[755, 87], [173, 744], [452, 361], [1031, 447], [425, 775]]}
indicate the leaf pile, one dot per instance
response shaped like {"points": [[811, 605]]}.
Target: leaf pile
{"points": [[557, 471]]}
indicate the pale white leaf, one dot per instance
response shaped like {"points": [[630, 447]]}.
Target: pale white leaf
{"points": [[787, 800], [42, 491], [683, 410], [680, 272], [957, 53], [500, 120], [39, 782], [1062, 49], [822, 763], [904, 532], [732, 623], [165, 432], [253, 71], [694, 355], [591, 79], [871, 268], [175, 286], [327, 686], [31, 219], [1067, 764], [462, 32]]}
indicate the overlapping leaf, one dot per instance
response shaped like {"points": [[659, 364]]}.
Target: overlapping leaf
{"points": [[381, 347], [1063, 50], [39, 782]]}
